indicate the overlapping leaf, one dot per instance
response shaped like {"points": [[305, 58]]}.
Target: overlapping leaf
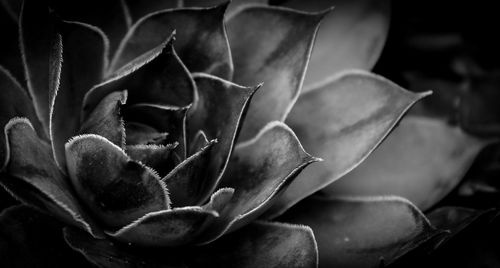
{"points": [[342, 121], [422, 160]]}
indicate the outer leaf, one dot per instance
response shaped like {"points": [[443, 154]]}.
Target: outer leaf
{"points": [[107, 254], [116, 189], [218, 111], [343, 121], [85, 59], [156, 77], [34, 178], [276, 54], [167, 228], [201, 39], [362, 232], [261, 244], [41, 51], [352, 36], [465, 227], [106, 120], [234, 5], [24, 231], [86, 11], [139, 9], [13, 102], [422, 160], [258, 171]]}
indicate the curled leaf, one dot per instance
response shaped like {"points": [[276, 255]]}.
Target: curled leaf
{"points": [[350, 37], [277, 54], [362, 232], [277, 245], [34, 178], [175, 227], [117, 189], [342, 121], [200, 41], [218, 111], [14, 102]]}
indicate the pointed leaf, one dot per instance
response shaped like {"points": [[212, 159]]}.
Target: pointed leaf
{"points": [[258, 171], [187, 181], [422, 160], [107, 254], [343, 121], [261, 244], [85, 59], [465, 227], [106, 119], [33, 239], [117, 189], [362, 232], [157, 157], [175, 227], [41, 51], [169, 119], [351, 37], [276, 54], [218, 111], [201, 39], [33, 177], [156, 77], [14, 102]]}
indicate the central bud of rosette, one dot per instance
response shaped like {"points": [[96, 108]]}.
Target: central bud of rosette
{"points": [[144, 155]]}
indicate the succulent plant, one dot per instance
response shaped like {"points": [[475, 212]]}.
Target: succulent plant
{"points": [[188, 146]]}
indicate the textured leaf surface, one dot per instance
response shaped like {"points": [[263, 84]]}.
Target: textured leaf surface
{"points": [[154, 156], [352, 36], [24, 231], [106, 119], [422, 160], [218, 111], [200, 39], [14, 102], [85, 50], [165, 119], [34, 178], [41, 52], [259, 170], [107, 254], [155, 77], [175, 227], [342, 121], [261, 244], [187, 181], [117, 189], [276, 54], [362, 232], [141, 134]]}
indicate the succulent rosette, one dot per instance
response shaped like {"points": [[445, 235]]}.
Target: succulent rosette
{"points": [[175, 142]]}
